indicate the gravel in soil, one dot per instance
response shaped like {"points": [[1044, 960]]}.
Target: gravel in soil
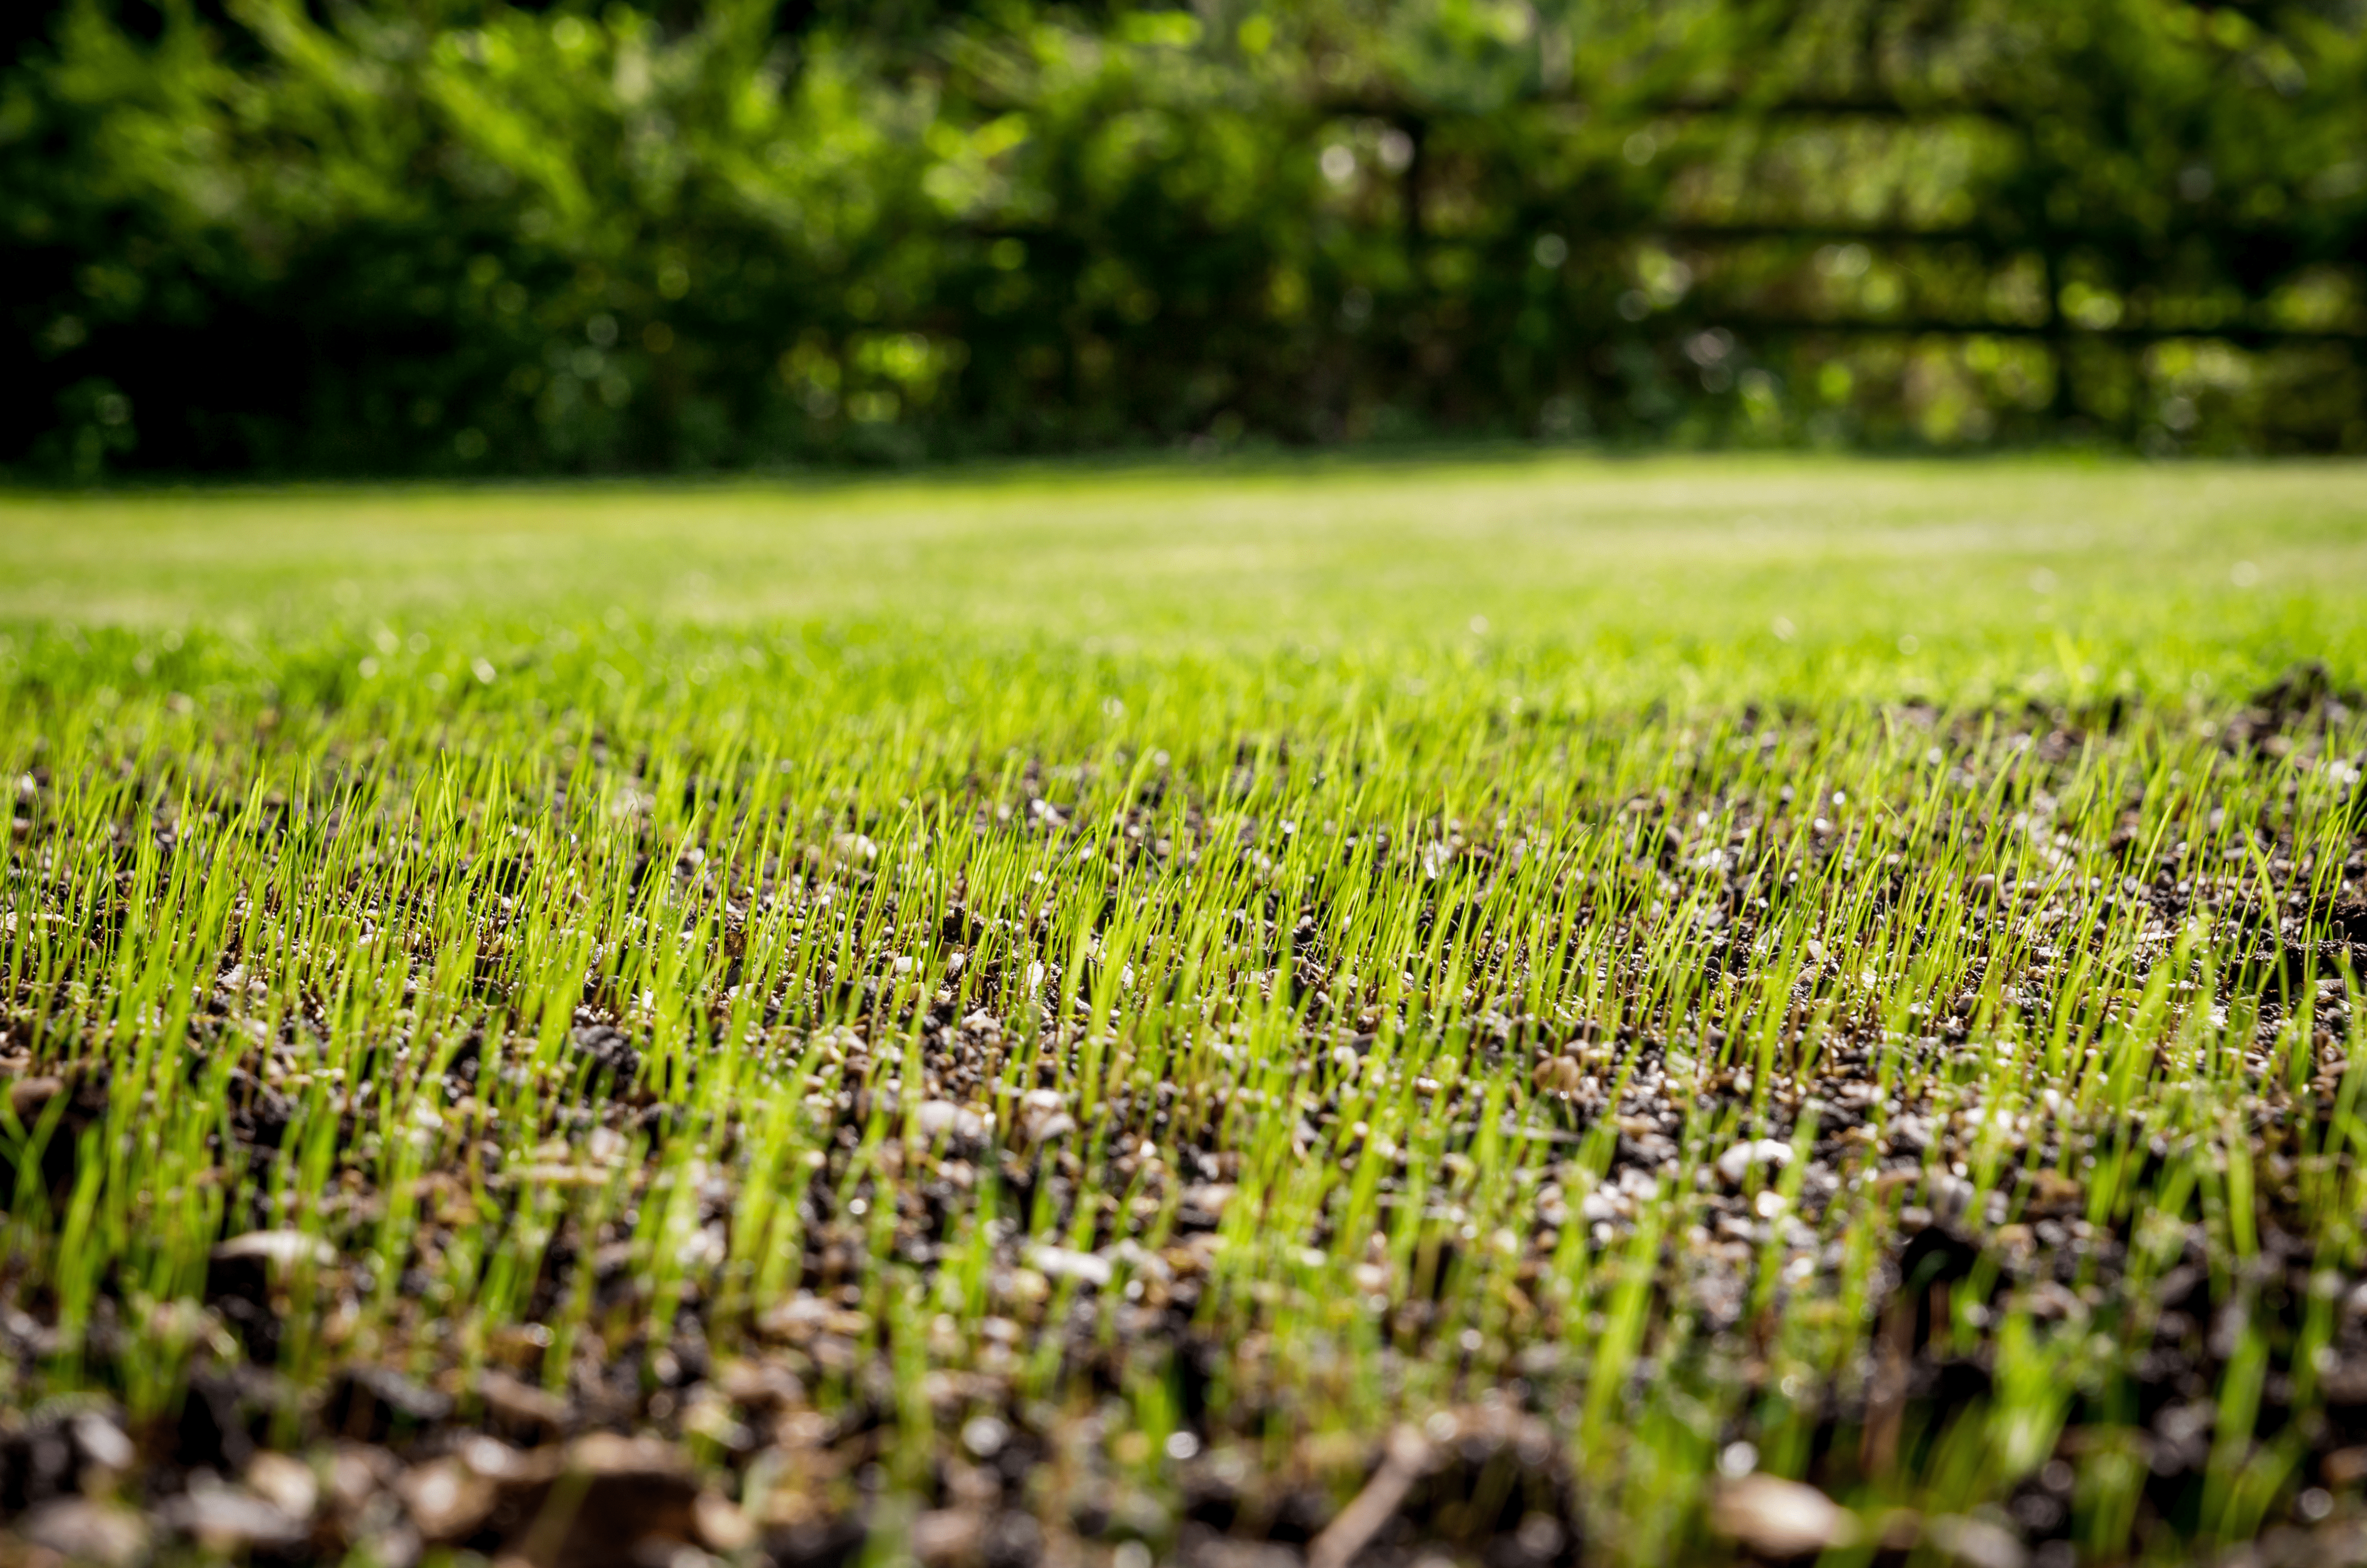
{"points": [[1968, 1171]]}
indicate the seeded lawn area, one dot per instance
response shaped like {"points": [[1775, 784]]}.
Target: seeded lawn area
{"points": [[1505, 1013]]}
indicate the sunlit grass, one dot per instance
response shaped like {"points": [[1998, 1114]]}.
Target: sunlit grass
{"points": [[1265, 959]]}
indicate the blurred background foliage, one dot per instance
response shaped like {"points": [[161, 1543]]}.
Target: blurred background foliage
{"points": [[464, 236]]}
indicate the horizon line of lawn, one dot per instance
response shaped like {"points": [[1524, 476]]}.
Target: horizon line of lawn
{"points": [[1480, 458]]}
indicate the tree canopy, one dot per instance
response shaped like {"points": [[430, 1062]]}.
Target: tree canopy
{"points": [[262, 236]]}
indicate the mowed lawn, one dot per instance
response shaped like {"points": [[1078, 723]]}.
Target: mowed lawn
{"points": [[1510, 1011]]}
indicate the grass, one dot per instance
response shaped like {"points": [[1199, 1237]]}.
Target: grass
{"points": [[1095, 998]]}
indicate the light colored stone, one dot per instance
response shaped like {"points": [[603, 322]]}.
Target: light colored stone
{"points": [[1061, 1263], [447, 1499], [945, 1535], [607, 1454], [1779, 1518], [229, 1518], [84, 1531], [282, 1247], [721, 1524], [1976, 1543], [1735, 1163], [286, 1482], [359, 1472], [516, 1400], [935, 1119], [102, 1442]]}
